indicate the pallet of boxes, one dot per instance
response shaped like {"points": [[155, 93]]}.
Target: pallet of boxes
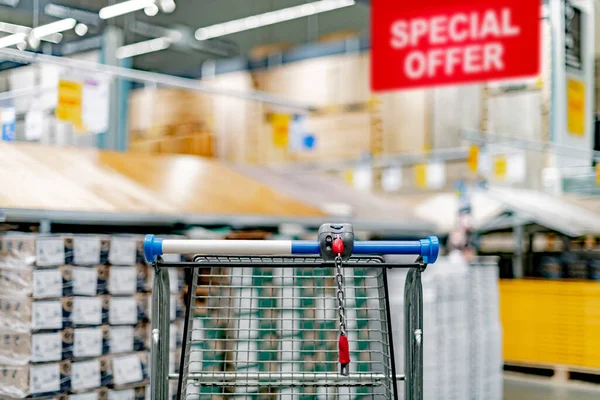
{"points": [[74, 317]]}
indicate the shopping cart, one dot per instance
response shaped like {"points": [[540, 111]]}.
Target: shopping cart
{"points": [[288, 319]]}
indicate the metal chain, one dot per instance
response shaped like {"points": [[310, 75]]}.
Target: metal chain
{"points": [[341, 297]]}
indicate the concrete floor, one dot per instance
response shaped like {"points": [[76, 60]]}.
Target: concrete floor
{"points": [[526, 388]]}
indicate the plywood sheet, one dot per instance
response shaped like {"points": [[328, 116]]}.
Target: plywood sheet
{"points": [[196, 185], [47, 178], [38, 177]]}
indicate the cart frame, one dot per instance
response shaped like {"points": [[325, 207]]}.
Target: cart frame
{"points": [[426, 249]]}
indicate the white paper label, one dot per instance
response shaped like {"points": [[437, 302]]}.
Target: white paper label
{"points": [[87, 311], [86, 250], [173, 280], [391, 179], [85, 375], [46, 347], [122, 280], [85, 281], [47, 283], [44, 378], [87, 342], [127, 394], [84, 396], [34, 121], [121, 339], [50, 252], [47, 315], [122, 251], [127, 369], [123, 311], [95, 105]]}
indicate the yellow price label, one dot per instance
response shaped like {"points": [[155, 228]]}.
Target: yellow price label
{"points": [[500, 167], [421, 175], [68, 108], [280, 124], [473, 158], [598, 174], [349, 177], [575, 107]]}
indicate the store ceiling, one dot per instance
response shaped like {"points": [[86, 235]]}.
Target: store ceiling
{"points": [[194, 14]]}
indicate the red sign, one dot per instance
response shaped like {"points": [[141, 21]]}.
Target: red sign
{"points": [[440, 42]]}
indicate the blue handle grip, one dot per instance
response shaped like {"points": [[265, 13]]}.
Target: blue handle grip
{"points": [[427, 248]]}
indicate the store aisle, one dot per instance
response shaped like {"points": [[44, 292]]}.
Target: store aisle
{"points": [[518, 388]]}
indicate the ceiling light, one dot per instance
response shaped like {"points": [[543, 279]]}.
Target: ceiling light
{"points": [[81, 29], [53, 38], [151, 11], [53, 27], [308, 9], [14, 28], [167, 6], [270, 18], [124, 7], [12, 40], [144, 47]]}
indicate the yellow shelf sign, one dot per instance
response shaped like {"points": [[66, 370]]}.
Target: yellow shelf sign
{"points": [[598, 174], [281, 129], [349, 177], [575, 107], [68, 109], [500, 167], [421, 175], [473, 158]]}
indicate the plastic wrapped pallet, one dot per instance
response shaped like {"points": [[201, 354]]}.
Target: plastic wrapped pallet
{"points": [[136, 393], [20, 381], [486, 331], [461, 330], [20, 348]]}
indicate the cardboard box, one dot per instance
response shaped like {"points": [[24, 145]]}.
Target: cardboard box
{"points": [[129, 369], [90, 280], [41, 283], [35, 380], [17, 251], [90, 311], [86, 375], [87, 250], [136, 393], [123, 250], [20, 348], [91, 342], [128, 310], [122, 280], [53, 250], [127, 339], [97, 394], [27, 314]]}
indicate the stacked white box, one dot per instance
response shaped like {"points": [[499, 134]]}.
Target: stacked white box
{"points": [[486, 332], [462, 341]]}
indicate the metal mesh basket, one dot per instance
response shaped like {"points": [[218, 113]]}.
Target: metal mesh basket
{"points": [[267, 328]]}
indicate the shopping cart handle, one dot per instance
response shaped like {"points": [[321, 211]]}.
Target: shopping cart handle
{"points": [[427, 248]]}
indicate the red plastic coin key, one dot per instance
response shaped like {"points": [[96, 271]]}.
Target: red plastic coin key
{"points": [[337, 246], [344, 354]]}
